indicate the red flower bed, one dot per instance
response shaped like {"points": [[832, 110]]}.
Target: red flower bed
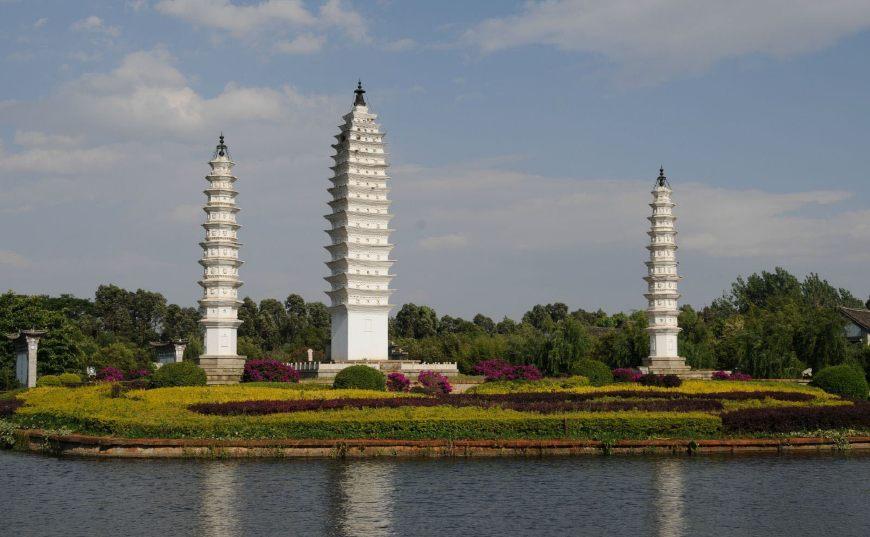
{"points": [[269, 371], [498, 369], [791, 419], [9, 406], [519, 402]]}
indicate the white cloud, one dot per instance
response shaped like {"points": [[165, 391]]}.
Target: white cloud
{"points": [[521, 212], [655, 39], [248, 20], [301, 44], [14, 260], [40, 22], [40, 139], [146, 95], [444, 242], [58, 160], [94, 24]]}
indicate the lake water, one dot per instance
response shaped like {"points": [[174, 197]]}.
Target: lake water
{"points": [[662, 496]]}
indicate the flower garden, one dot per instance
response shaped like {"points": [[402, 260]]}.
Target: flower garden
{"points": [[538, 409]]}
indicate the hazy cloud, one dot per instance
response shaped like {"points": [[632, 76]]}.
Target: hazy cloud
{"points": [[655, 39], [444, 242], [13, 259], [94, 24], [301, 44], [275, 15]]}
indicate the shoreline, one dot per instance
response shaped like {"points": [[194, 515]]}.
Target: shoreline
{"points": [[75, 445]]}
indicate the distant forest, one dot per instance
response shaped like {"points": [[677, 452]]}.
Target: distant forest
{"points": [[768, 325]]}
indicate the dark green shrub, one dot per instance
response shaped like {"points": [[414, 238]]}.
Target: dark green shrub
{"points": [[843, 380], [662, 381], [179, 374], [8, 381], [597, 372], [361, 377], [70, 379], [48, 380]]}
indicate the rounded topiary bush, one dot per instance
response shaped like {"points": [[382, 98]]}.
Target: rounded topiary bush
{"points": [[843, 380], [361, 377], [178, 374], [70, 379], [597, 372], [48, 380]]}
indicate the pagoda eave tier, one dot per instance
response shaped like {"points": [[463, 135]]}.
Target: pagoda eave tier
{"points": [[344, 278], [218, 302], [218, 207], [656, 296], [220, 243], [221, 262], [360, 307], [664, 329], [220, 282], [343, 213], [357, 248], [220, 323], [661, 232], [347, 263], [352, 175]]}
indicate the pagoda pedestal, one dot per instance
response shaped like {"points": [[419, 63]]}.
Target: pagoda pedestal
{"points": [[222, 369]]}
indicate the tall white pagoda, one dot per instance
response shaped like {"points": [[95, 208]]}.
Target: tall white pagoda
{"points": [[662, 280], [360, 246], [220, 279]]}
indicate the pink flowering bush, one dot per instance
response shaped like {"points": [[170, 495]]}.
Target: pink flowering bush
{"points": [[736, 375], [501, 370], [626, 374], [136, 374], [434, 383], [110, 374], [397, 382], [267, 370]]}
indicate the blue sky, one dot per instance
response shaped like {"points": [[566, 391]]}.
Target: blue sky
{"points": [[524, 138]]}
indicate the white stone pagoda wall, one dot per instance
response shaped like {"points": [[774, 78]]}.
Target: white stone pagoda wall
{"points": [[662, 282], [360, 245]]}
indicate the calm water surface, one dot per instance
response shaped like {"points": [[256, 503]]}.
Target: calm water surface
{"points": [[740, 496]]}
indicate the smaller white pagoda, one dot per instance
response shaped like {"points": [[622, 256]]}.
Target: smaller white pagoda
{"points": [[662, 280], [220, 279]]}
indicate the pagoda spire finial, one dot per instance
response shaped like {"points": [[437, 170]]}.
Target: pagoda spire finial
{"points": [[359, 100], [221, 150], [662, 180]]}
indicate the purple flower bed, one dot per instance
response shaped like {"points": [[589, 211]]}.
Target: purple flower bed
{"points": [[434, 383], [397, 382], [626, 374], [9, 406], [724, 375], [137, 374], [501, 370], [791, 419], [267, 370], [664, 381], [110, 374], [518, 402]]}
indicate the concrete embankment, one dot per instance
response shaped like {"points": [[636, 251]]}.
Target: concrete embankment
{"points": [[100, 446]]}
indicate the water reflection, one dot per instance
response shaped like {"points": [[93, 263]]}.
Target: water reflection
{"points": [[669, 497], [363, 505], [219, 500]]}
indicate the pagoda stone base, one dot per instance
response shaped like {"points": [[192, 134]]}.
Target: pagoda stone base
{"points": [[673, 366], [328, 370], [222, 369]]}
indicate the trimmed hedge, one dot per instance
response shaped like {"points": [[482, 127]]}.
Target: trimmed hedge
{"points": [[179, 374], [360, 377], [48, 380], [597, 372], [793, 419], [600, 426], [843, 380], [517, 402], [662, 381]]}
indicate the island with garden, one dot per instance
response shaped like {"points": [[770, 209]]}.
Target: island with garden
{"points": [[503, 409]]}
